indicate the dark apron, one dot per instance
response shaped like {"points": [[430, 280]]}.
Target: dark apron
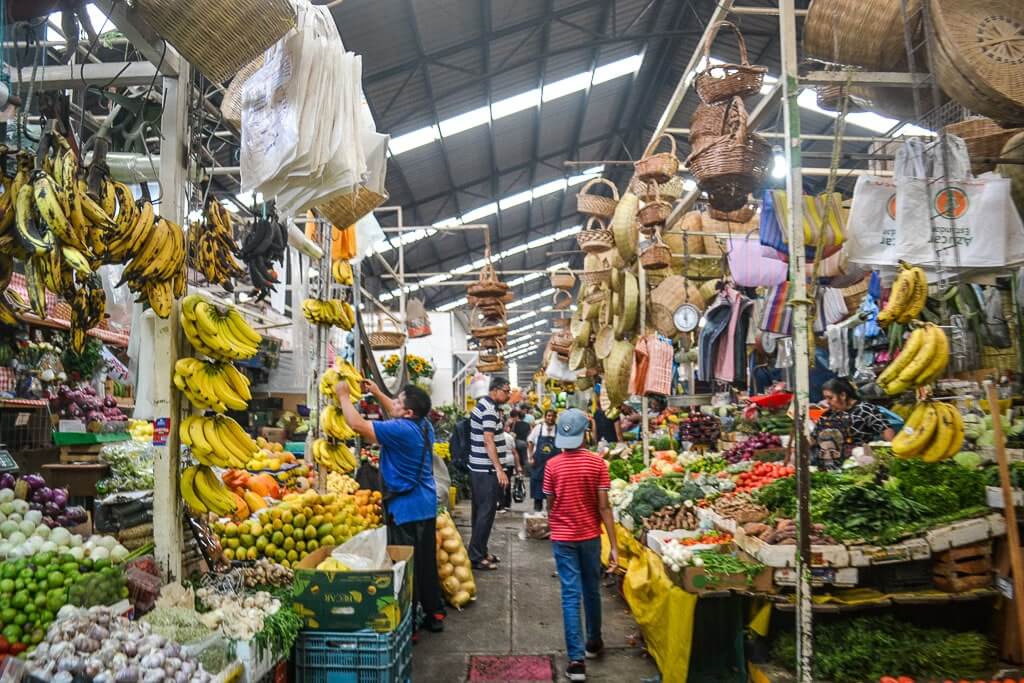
{"points": [[542, 452]]}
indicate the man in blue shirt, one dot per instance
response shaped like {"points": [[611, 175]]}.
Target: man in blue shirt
{"points": [[406, 444]]}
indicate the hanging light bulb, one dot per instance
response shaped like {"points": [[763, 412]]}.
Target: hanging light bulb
{"points": [[778, 163]]}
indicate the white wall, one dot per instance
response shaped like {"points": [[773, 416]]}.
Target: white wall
{"points": [[447, 336]]}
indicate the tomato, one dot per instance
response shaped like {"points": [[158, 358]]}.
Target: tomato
{"points": [[5, 645], [18, 648]]}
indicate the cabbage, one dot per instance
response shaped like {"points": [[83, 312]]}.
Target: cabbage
{"points": [[34, 516], [99, 553], [6, 495], [20, 506], [16, 539], [42, 531], [26, 527], [7, 528]]}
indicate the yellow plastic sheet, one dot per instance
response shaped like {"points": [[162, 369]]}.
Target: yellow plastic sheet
{"points": [[663, 610], [760, 617]]}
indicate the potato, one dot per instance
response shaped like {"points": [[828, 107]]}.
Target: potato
{"points": [[459, 558], [461, 599], [442, 556], [463, 574], [451, 585], [446, 570], [451, 545]]}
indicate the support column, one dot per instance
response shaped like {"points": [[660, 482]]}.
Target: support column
{"points": [[799, 302], [167, 517]]}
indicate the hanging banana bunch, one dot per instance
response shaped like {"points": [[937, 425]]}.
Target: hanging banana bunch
{"points": [[922, 361], [907, 297], [264, 244], [212, 247]]}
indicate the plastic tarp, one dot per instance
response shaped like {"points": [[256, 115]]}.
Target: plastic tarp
{"points": [[663, 610]]}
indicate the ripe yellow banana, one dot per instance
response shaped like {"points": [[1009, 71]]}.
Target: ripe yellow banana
{"points": [[935, 450], [939, 360], [900, 297], [917, 432], [188, 492]]}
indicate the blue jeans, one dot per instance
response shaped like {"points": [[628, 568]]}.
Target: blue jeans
{"points": [[579, 566]]}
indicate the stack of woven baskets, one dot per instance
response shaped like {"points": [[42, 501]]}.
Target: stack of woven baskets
{"points": [[656, 185], [727, 159], [488, 318], [975, 49]]}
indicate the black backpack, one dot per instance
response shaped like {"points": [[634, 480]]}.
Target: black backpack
{"points": [[459, 443]]}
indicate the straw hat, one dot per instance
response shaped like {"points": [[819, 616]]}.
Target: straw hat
{"points": [[617, 368], [628, 301], [624, 226]]}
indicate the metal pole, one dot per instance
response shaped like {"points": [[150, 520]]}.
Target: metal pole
{"points": [[644, 413], [167, 517], [798, 300]]}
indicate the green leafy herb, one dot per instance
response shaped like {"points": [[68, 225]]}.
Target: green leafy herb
{"points": [[279, 632]]}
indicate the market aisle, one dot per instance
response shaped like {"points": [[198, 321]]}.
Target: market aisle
{"points": [[518, 612]]}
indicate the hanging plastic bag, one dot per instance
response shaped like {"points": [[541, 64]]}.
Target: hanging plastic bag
{"points": [[417, 321], [750, 267], [996, 331]]}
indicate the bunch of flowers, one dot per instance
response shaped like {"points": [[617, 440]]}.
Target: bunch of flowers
{"points": [[416, 366]]}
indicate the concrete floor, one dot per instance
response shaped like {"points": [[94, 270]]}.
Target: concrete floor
{"points": [[518, 612]]}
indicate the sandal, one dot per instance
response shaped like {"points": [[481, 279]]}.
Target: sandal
{"points": [[493, 559], [484, 565]]}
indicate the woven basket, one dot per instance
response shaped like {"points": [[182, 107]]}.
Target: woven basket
{"points": [[487, 283], [492, 342], [654, 212], [709, 120], [1014, 149], [984, 139], [231, 105], [830, 98], [729, 167], [670, 190], [689, 243], [561, 342], [491, 367], [563, 278], [722, 82], [979, 55], [595, 204], [596, 270], [595, 240], [865, 33], [383, 340], [219, 37], [348, 207], [658, 166], [656, 255], [703, 267], [709, 290], [741, 215], [712, 244], [561, 300], [580, 330], [667, 297], [854, 294]]}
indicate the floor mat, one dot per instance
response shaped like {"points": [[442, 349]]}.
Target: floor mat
{"points": [[511, 668]]}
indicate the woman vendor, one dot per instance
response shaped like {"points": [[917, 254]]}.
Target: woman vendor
{"points": [[848, 422]]}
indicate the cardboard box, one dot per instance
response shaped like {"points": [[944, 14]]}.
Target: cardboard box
{"points": [[695, 580], [353, 601], [275, 434]]}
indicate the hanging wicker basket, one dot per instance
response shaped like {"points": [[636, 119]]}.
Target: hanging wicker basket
{"points": [[865, 33], [729, 167], [219, 37], [347, 207], [654, 212], [667, 297], [624, 227], [561, 342], [710, 120], [561, 300], [658, 166], [722, 82], [628, 305], [656, 255], [979, 55], [231, 104], [563, 278], [984, 138], [595, 204], [595, 240], [741, 215], [488, 283], [670, 190]]}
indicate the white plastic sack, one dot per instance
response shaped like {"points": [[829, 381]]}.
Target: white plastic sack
{"points": [[367, 550], [871, 228], [559, 370], [969, 224]]}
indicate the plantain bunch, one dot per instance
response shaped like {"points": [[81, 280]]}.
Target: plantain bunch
{"points": [[212, 248]]}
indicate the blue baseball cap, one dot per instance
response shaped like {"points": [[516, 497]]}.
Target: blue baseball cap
{"points": [[571, 426]]}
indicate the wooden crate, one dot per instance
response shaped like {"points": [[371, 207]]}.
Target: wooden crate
{"points": [[962, 569], [89, 453]]}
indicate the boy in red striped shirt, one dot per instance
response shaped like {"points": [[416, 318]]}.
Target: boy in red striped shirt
{"points": [[576, 484]]}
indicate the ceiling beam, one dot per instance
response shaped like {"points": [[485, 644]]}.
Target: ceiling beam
{"points": [[542, 65], [142, 36], [65, 77]]}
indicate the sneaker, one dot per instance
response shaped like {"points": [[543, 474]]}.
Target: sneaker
{"points": [[434, 623], [577, 671], [594, 648]]}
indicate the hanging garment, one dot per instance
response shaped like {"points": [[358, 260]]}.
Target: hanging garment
{"points": [[735, 335], [838, 350], [778, 316], [652, 367], [716, 321], [743, 327]]}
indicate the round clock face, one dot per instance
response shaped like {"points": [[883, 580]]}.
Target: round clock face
{"points": [[686, 318]]}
